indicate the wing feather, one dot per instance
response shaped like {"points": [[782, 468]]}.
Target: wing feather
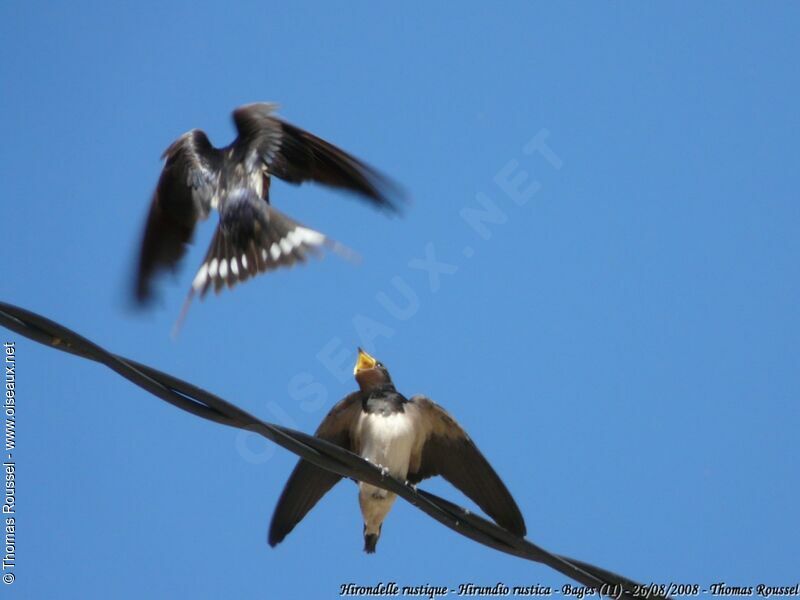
{"points": [[446, 449], [308, 483], [296, 156], [184, 195]]}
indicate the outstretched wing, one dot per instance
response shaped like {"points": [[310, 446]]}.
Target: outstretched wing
{"points": [[445, 449], [298, 156], [308, 483], [186, 192]]}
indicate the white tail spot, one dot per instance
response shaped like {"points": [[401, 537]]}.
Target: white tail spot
{"points": [[309, 236], [200, 278], [212, 268]]}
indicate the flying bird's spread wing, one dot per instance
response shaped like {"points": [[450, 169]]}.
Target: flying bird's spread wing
{"points": [[298, 156], [251, 238], [308, 483], [447, 450], [235, 180], [186, 192]]}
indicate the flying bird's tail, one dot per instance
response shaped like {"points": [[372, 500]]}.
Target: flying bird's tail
{"points": [[252, 238]]}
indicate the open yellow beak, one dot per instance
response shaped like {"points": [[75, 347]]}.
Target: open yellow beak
{"points": [[365, 361]]}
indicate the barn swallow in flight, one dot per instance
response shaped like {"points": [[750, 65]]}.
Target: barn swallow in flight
{"points": [[411, 439], [251, 237]]}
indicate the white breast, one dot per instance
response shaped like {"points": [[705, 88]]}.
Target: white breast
{"points": [[257, 182], [387, 441]]}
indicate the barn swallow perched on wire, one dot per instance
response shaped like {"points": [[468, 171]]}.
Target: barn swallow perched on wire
{"points": [[410, 439], [252, 237]]}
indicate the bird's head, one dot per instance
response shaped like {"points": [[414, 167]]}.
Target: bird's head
{"points": [[370, 373]]}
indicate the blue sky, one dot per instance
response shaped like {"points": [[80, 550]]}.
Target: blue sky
{"points": [[622, 347]]}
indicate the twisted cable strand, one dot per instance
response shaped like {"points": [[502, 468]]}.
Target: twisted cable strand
{"points": [[330, 457]]}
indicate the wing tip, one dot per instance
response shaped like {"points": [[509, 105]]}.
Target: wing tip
{"points": [[142, 293], [518, 527], [509, 517], [273, 539], [278, 529]]}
